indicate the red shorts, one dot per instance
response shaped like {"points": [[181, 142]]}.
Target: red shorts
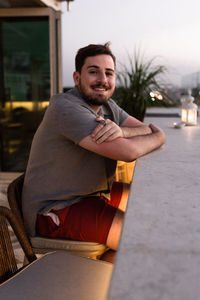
{"points": [[88, 220]]}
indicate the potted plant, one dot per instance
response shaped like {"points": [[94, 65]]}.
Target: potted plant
{"points": [[138, 85]]}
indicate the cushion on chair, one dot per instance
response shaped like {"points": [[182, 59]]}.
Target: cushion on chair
{"points": [[58, 276], [84, 248]]}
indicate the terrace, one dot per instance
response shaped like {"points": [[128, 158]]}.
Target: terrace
{"points": [[159, 251]]}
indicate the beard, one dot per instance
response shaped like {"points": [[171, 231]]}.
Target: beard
{"points": [[95, 99]]}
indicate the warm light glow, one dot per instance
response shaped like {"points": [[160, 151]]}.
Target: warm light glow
{"points": [[192, 116], [155, 95], [189, 116], [29, 105], [184, 115], [124, 171]]}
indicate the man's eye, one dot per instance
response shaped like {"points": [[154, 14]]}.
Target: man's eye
{"points": [[109, 74], [93, 72]]}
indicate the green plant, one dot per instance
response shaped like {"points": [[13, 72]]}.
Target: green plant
{"points": [[136, 82]]}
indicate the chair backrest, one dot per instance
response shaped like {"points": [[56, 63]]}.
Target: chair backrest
{"points": [[8, 265], [14, 194]]}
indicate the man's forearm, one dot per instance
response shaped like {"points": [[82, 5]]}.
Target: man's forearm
{"points": [[129, 132], [126, 149], [144, 144]]}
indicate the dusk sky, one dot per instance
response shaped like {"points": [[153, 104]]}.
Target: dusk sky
{"points": [[166, 29]]}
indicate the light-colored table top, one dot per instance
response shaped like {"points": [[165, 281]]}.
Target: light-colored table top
{"points": [[159, 251]]}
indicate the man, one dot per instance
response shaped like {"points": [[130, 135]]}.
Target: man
{"points": [[68, 189]]}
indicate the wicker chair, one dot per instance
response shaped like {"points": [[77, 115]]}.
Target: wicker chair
{"points": [[8, 265], [45, 245]]}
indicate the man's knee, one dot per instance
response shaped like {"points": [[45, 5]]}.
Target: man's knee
{"points": [[124, 197], [115, 230]]}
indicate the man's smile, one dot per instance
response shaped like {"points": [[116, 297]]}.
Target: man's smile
{"points": [[100, 88]]}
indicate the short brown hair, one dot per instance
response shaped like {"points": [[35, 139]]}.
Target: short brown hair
{"points": [[91, 50]]}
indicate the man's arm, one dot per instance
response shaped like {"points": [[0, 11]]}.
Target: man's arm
{"points": [[129, 128], [133, 127], [126, 149]]}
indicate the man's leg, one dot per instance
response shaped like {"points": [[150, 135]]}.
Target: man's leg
{"points": [[114, 236], [116, 226], [124, 198], [103, 223], [115, 230], [88, 220]]}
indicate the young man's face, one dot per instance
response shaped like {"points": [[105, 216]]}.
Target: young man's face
{"points": [[96, 82]]}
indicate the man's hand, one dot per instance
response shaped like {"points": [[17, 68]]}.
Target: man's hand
{"points": [[106, 132], [156, 130]]}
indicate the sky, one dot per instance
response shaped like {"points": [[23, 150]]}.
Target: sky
{"points": [[165, 29]]}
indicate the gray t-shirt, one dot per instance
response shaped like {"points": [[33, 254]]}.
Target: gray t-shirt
{"points": [[59, 171]]}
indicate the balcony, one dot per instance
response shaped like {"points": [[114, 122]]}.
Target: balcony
{"points": [[159, 251]]}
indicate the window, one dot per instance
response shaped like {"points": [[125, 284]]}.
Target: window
{"points": [[29, 75]]}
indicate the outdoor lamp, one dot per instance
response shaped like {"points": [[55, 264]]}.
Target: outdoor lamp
{"points": [[188, 110]]}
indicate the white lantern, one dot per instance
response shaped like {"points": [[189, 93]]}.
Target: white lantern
{"points": [[188, 110]]}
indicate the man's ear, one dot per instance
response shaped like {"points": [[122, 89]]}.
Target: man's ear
{"points": [[76, 76]]}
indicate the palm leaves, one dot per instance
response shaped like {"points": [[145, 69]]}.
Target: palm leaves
{"points": [[136, 81]]}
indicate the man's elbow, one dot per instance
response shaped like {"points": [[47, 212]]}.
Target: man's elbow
{"points": [[129, 159], [130, 156]]}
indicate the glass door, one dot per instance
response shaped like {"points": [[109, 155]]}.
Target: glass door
{"points": [[25, 85]]}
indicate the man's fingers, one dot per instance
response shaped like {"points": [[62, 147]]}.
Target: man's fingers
{"points": [[112, 137], [108, 136], [106, 131], [154, 128], [102, 123], [102, 129]]}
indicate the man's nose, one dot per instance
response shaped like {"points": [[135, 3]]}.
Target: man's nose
{"points": [[102, 77]]}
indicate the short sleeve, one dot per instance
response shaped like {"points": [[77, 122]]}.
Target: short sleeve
{"points": [[123, 115], [76, 122]]}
